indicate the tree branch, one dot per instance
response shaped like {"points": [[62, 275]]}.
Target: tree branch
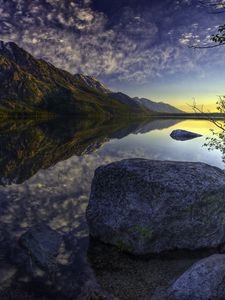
{"points": [[201, 110], [206, 46]]}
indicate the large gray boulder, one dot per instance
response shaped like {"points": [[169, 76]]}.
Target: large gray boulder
{"points": [[143, 206], [205, 280], [184, 135]]}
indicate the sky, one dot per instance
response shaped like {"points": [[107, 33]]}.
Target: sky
{"points": [[139, 47]]}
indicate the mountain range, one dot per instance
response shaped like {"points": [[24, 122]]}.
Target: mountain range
{"points": [[30, 85]]}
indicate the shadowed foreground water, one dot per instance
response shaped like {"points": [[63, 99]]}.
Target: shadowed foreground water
{"points": [[46, 169]]}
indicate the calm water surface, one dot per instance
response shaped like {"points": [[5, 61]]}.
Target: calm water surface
{"points": [[46, 176]]}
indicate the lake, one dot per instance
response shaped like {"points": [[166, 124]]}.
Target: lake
{"points": [[46, 170]]}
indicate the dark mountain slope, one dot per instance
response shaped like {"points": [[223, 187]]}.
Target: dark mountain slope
{"points": [[33, 85]]}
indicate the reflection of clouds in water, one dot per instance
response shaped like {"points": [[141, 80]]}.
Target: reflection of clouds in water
{"points": [[134, 152], [58, 195]]}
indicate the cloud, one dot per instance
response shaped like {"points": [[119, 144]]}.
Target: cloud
{"points": [[133, 45]]}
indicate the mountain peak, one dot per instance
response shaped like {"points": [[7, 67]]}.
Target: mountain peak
{"points": [[160, 107], [92, 82], [13, 52], [9, 46]]}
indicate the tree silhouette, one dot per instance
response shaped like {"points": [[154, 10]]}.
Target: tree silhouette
{"points": [[217, 140], [214, 7]]}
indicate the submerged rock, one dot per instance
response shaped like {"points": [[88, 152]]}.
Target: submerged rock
{"points": [[7, 272], [42, 244], [143, 206], [205, 280], [76, 280], [58, 263], [183, 135]]}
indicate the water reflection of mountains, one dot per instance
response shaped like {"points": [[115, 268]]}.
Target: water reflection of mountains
{"points": [[27, 146]]}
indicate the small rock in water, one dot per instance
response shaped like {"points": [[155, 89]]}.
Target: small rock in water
{"points": [[71, 276], [184, 135], [7, 272], [205, 280], [42, 244]]}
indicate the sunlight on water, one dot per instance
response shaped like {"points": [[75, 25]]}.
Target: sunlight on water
{"points": [[157, 144]]}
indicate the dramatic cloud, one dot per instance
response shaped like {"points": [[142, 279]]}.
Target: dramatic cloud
{"points": [[133, 44]]}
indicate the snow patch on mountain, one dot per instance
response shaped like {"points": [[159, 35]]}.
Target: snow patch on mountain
{"points": [[92, 82]]}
